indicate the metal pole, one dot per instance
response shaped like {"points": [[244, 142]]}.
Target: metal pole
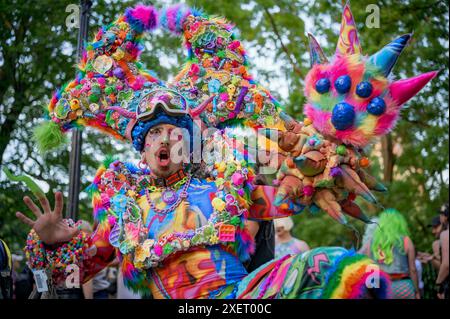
{"points": [[75, 154]]}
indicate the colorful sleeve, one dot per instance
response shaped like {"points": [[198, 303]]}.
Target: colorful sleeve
{"points": [[113, 178], [89, 253], [83, 254]]}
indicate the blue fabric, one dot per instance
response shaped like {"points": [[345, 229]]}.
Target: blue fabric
{"points": [[141, 128]]}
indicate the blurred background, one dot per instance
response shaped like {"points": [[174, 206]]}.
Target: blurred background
{"points": [[38, 54]]}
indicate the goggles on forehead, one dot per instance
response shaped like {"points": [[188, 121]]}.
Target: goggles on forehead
{"points": [[172, 102]]}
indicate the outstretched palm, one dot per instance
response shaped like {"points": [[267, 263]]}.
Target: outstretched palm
{"points": [[49, 225]]}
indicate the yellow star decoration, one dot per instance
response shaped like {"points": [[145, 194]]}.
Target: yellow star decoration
{"points": [[214, 239]]}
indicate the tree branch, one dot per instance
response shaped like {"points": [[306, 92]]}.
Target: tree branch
{"points": [[283, 47]]}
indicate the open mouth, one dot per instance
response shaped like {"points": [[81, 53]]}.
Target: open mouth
{"points": [[163, 157]]}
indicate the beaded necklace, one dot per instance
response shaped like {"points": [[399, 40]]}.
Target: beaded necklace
{"points": [[170, 197]]}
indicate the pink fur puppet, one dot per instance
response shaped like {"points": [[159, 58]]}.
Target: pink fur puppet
{"points": [[351, 98]]}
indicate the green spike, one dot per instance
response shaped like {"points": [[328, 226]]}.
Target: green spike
{"points": [[34, 188]]}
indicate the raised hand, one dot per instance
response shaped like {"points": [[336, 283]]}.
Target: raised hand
{"points": [[49, 224]]}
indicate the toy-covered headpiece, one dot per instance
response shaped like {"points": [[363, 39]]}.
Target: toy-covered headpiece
{"points": [[108, 84], [216, 71]]}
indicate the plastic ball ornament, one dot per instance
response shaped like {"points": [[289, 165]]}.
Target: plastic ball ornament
{"points": [[343, 116], [377, 106], [364, 89], [341, 150], [343, 84], [323, 86]]}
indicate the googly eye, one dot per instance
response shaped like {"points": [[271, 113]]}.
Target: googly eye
{"points": [[364, 89], [343, 84], [376, 106], [323, 85]]}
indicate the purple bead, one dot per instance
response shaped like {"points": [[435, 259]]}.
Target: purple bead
{"points": [[335, 171], [118, 73]]}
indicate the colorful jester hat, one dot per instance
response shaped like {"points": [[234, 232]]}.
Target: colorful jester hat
{"points": [[111, 87], [351, 98], [216, 71]]}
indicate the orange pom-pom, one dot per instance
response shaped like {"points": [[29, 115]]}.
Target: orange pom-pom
{"points": [[364, 162]]}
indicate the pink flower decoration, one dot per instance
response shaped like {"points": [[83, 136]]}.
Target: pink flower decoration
{"points": [[234, 45], [101, 81], [194, 69]]}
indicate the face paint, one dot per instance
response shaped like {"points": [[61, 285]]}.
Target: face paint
{"points": [[159, 152]]}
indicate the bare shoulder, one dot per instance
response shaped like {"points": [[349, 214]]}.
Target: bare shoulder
{"points": [[444, 236], [436, 244], [302, 245], [409, 244]]}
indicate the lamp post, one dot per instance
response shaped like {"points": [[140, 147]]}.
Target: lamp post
{"points": [[75, 154]]}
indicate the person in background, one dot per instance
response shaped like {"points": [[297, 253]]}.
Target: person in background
{"points": [[97, 287], [443, 215], [6, 282], [22, 278], [285, 243], [442, 281], [435, 258], [263, 233], [368, 234], [419, 276], [393, 249], [24, 283]]}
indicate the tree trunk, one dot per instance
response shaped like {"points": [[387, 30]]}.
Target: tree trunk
{"points": [[388, 158]]}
